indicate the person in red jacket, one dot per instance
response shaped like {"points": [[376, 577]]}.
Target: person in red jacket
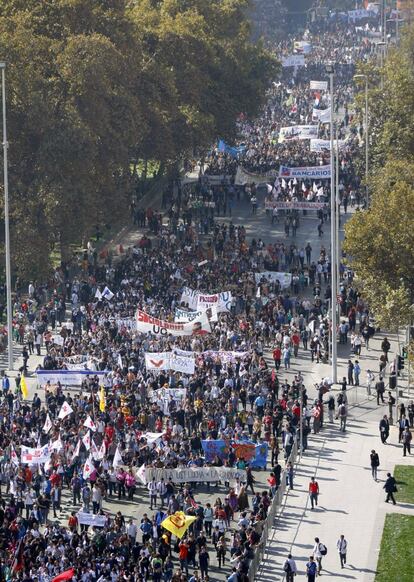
{"points": [[277, 356]]}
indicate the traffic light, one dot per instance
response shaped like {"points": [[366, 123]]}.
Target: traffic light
{"points": [[400, 363]]}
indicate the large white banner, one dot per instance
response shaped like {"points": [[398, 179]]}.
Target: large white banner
{"points": [[170, 361], [293, 61], [222, 301], [65, 377], [314, 173], [226, 357], [320, 145], [183, 364], [189, 296], [359, 14], [91, 519], [148, 324], [298, 132], [157, 361], [319, 85], [182, 316], [29, 456], [322, 115], [168, 394], [285, 279], [192, 474], [244, 177], [296, 205]]}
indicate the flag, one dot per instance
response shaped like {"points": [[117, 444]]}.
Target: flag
{"points": [[13, 456], [66, 575], [65, 411], [303, 187], [98, 294], [118, 458], [283, 183], [107, 294], [178, 523], [76, 452], [48, 424], [23, 387], [314, 187], [18, 561], [57, 445], [141, 474], [87, 441], [90, 424], [88, 468], [120, 364], [102, 402]]}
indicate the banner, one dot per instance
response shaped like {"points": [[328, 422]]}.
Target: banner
{"points": [[269, 204], [314, 172], [298, 132], [231, 150], [91, 519], [222, 301], [285, 279], [243, 177], [189, 296], [183, 364], [148, 324], [225, 356], [302, 47], [319, 85], [293, 61], [182, 316], [319, 145], [322, 115], [193, 474], [163, 397], [65, 377], [128, 322], [254, 454], [157, 361], [29, 456], [178, 523], [359, 14], [215, 448]]}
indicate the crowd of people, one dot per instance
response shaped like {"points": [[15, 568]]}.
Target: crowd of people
{"points": [[105, 442]]}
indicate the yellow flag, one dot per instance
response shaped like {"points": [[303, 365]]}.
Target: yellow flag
{"points": [[23, 387], [102, 402], [178, 523]]}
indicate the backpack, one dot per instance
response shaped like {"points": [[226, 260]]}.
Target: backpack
{"points": [[323, 549], [287, 567]]}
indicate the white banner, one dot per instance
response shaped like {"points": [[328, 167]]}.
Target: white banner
{"points": [[285, 279], [319, 85], [192, 474], [269, 204], [243, 177], [314, 173], [65, 377], [225, 356], [222, 301], [58, 340], [128, 322], [189, 296], [319, 145], [157, 361], [148, 324], [302, 47], [359, 14], [298, 132], [182, 316], [29, 456], [293, 61], [322, 115], [182, 364], [91, 519]]}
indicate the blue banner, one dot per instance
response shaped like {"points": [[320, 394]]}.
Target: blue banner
{"points": [[215, 448], [231, 150]]}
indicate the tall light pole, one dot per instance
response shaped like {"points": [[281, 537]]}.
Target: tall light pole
{"points": [[6, 222], [331, 71], [365, 78]]}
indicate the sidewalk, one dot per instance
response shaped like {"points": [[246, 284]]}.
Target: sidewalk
{"points": [[351, 503]]}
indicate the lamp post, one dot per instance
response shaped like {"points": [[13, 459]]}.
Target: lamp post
{"points": [[6, 222], [365, 78], [331, 72]]}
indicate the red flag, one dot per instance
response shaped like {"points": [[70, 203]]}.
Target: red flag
{"points": [[18, 561], [66, 575]]}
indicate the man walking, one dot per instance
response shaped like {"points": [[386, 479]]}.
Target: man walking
{"points": [[374, 458], [384, 427], [342, 545], [406, 441], [342, 413], [319, 550], [290, 568], [313, 492], [390, 488], [311, 569], [380, 389]]}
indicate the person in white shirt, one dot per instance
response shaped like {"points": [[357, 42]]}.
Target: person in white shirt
{"points": [[317, 553], [342, 546], [370, 381], [132, 531]]}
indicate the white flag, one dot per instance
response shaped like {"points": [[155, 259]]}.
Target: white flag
{"points": [[314, 187], [90, 424], [57, 445], [98, 294], [120, 364], [303, 187], [283, 183], [107, 294], [258, 292], [94, 451], [117, 458], [87, 441], [65, 410], [13, 456], [102, 451], [88, 468], [48, 424], [141, 474], [76, 452]]}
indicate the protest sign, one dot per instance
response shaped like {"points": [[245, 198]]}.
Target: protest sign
{"points": [[302, 47], [319, 85], [34, 456], [157, 361], [285, 279], [85, 518], [182, 316], [293, 61], [65, 377], [148, 324], [193, 474], [298, 132], [322, 115], [319, 145], [244, 177], [296, 205], [215, 448], [313, 172]]}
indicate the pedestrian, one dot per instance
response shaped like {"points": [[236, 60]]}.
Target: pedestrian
{"points": [[342, 415], [375, 463], [319, 550], [402, 425], [342, 546], [313, 492], [311, 569], [380, 389], [406, 440], [390, 488], [384, 427], [152, 489], [370, 381], [391, 402], [289, 475], [331, 408], [290, 568], [350, 373], [357, 372]]}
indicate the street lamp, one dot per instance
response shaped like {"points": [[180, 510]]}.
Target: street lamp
{"points": [[330, 70], [6, 222], [365, 78]]}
